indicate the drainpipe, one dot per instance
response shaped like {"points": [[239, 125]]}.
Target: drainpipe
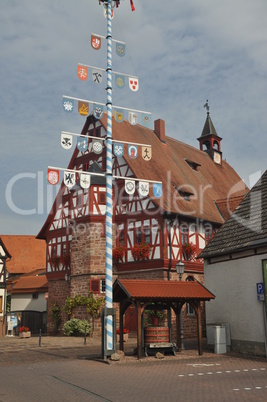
{"points": [[170, 248]]}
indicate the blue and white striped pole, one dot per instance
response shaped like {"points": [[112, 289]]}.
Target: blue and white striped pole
{"points": [[109, 202]]}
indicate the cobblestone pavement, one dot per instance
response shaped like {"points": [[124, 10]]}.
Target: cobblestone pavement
{"points": [[66, 369]]}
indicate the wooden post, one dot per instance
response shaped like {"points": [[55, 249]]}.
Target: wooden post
{"points": [[121, 326], [178, 329], [139, 330]]}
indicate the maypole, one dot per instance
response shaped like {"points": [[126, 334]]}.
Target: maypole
{"points": [[109, 202]]}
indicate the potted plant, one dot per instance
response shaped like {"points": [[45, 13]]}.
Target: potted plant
{"points": [[154, 317], [141, 251], [118, 253], [125, 334], [24, 332], [189, 250]]}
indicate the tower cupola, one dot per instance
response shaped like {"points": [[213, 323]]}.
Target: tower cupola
{"points": [[209, 141]]}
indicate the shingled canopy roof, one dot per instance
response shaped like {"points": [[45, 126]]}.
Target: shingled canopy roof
{"points": [[247, 226], [160, 290], [172, 294]]}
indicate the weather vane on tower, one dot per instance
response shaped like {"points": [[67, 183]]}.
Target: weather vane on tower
{"points": [[207, 106]]}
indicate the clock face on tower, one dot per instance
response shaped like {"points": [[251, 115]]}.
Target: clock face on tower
{"points": [[217, 157]]}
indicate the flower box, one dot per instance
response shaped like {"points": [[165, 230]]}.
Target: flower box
{"points": [[141, 251], [25, 334]]}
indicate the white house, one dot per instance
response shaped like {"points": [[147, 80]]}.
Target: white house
{"points": [[235, 271]]}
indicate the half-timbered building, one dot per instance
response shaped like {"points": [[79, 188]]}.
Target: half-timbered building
{"points": [[4, 256], [199, 190]]}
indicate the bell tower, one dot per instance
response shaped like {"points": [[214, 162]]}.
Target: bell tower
{"points": [[209, 141]]}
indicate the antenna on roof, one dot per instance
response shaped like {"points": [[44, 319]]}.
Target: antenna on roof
{"points": [[207, 106]]}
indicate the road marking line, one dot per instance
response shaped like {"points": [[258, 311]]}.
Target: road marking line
{"points": [[228, 371], [258, 387], [236, 389], [237, 371], [254, 369], [247, 389]]}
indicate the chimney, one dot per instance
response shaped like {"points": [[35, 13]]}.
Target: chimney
{"points": [[159, 128]]}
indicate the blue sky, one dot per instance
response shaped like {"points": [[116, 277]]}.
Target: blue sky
{"points": [[183, 52]]}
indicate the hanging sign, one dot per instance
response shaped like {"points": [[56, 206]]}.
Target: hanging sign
{"points": [[97, 146], [120, 49], [98, 111], [157, 190], [133, 84], [119, 81], [146, 153], [146, 120], [67, 104], [132, 151], [53, 176], [83, 108], [66, 140], [69, 179], [118, 149], [130, 186], [82, 144], [133, 117], [85, 180], [143, 188], [97, 76], [82, 72], [95, 42], [119, 115]]}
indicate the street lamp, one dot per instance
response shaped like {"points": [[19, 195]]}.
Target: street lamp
{"points": [[180, 271], [67, 277]]}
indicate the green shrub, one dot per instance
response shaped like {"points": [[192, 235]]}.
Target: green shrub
{"points": [[76, 327]]}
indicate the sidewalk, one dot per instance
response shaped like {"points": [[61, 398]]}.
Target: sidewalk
{"points": [[14, 350]]}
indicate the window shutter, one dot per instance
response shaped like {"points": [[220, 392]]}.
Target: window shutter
{"points": [[95, 285], [102, 198]]}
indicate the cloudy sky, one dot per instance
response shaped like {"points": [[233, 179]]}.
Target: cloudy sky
{"points": [[183, 51]]}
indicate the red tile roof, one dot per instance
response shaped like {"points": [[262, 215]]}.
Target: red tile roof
{"points": [[27, 253], [30, 284], [228, 206], [208, 183], [160, 289]]}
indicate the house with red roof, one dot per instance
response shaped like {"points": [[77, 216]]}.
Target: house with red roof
{"points": [[150, 234], [26, 282]]}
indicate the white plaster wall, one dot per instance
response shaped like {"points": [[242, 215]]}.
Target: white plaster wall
{"points": [[234, 285], [26, 302]]}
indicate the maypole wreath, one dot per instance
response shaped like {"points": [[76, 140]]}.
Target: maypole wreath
{"points": [[117, 2]]}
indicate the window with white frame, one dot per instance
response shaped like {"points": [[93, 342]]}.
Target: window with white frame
{"points": [[102, 285]]}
